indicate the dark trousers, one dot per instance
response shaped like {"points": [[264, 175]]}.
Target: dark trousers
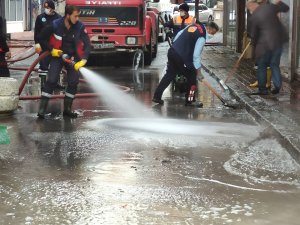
{"points": [[44, 63], [272, 59], [175, 66], [4, 71], [56, 65]]}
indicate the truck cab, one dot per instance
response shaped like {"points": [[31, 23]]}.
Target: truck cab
{"points": [[119, 26]]}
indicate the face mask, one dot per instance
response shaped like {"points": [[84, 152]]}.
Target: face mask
{"points": [[209, 36], [47, 11], [182, 14]]}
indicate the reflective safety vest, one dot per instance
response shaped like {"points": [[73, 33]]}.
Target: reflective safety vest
{"points": [[180, 23], [178, 20]]}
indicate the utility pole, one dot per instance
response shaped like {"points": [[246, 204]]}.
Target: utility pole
{"points": [[2, 15], [197, 9]]}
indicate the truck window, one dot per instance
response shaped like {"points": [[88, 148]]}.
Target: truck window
{"points": [[109, 16]]}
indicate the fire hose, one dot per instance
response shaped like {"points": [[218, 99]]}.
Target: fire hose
{"points": [[32, 68]]}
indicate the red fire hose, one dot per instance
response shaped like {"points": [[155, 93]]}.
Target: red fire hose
{"points": [[32, 67]]}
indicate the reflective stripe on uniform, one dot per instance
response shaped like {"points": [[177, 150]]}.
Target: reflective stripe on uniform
{"points": [[69, 95], [46, 95], [57, 37]]}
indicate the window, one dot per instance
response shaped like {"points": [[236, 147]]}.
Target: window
{"points": [[13, 10]]}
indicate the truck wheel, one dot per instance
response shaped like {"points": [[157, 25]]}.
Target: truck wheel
{"points": [[148, 53], [155, 50]]}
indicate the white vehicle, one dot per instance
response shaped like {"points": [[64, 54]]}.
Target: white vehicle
{"points": [[205, 13], [165, 9]]}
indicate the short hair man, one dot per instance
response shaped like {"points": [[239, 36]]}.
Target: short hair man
{"points": [[267, 37], [67, 36]]}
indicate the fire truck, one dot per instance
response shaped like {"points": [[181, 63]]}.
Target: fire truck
{"points": [[116, 26]]}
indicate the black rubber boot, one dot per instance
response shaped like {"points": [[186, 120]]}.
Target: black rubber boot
{"points": [[43, 107], [67, 108]]}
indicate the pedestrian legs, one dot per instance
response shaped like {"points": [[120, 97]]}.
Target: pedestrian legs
{"points": [[275, 67], [262, 64]]}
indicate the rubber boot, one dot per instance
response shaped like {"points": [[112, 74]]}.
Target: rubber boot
{"points": [[67, 108], [43, 107], [255, 84], [190, 97], [269, 78]]}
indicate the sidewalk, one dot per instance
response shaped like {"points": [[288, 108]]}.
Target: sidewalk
{"points": [[280, 112], [22, 36]]}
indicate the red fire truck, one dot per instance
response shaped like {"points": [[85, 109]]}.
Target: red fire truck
{"points": [[120, 26]]}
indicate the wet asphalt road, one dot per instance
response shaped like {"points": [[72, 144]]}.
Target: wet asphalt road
{"points": [[186, 165]]}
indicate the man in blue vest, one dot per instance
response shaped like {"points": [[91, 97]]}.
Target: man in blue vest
{"points": [[184, 57], [67, 36]]}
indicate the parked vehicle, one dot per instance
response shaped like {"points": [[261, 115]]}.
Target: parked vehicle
{"points": [[120, 26], [205, 13], [165, 12]]}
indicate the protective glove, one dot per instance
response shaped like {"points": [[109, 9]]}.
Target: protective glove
{"points": [[200, 77], [8, 55], [38, 48], [56, 52], [80, 64]]}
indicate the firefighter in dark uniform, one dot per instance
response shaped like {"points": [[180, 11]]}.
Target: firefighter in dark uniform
{"points": [[4, 52], [67, 36], [41, 22], [184, 57], [180, 21]]}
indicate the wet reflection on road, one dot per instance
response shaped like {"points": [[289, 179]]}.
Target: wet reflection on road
{"points": [[204, 166]]}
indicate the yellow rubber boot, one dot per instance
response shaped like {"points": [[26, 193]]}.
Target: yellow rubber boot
{"points": [[269, 77], [255, 84]]}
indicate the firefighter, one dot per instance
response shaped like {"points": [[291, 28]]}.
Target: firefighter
{"points": [[41, 22], [4, 52], [67, 36], [180, 21], [184, 57]]}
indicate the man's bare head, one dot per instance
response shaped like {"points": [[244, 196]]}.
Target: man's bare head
{"points": [[252, 5]]}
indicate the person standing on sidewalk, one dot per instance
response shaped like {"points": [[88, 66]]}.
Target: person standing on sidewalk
{"points": [[184, 57], [4, 52], [67, 36], [267, 37], [43, 20]]}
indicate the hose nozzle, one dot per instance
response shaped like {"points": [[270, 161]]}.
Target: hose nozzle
{"points": [[67, 59]]}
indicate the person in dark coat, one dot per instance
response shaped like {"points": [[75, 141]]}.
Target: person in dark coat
{"points": [[4, 52], [43, 20], [268, 36]]}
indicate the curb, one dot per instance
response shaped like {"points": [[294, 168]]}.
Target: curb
{"points": [[259, 109]]}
